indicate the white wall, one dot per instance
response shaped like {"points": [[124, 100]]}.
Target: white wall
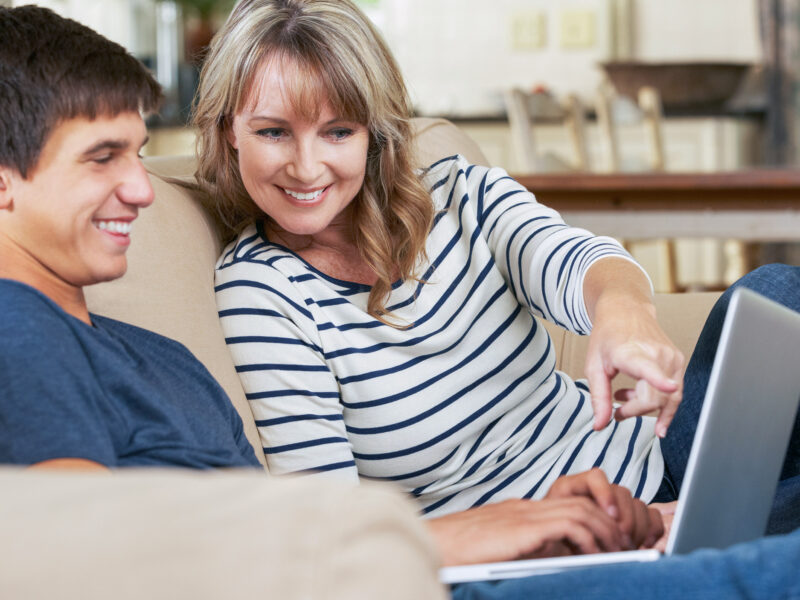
{"points": [[130, 23], [457, 55], [725, 30]]}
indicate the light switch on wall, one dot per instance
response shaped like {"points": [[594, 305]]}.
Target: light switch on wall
{"points": [[528, 30], [578, 29]]}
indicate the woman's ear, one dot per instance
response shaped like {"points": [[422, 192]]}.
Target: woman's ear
{"points": [[233, 140]]}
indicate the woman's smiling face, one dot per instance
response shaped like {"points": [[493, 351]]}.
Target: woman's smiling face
{"points": [[303, 172]]}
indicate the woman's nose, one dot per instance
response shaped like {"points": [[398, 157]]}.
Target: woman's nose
{"points": [[306, 164]]}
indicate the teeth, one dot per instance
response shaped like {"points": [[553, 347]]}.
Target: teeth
{"points": [[309, 196], [122, 227]]}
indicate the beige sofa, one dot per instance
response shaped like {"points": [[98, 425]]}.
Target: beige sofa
{"points": [[172, 534]]}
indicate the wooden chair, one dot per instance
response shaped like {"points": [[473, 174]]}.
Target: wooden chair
{"points": [[526, 110], [615, 112]]}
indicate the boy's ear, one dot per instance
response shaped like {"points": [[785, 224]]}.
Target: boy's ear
{"points": [[5, 188]]}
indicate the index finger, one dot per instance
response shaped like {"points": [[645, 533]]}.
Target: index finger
{"points": [[599, 393], [601, 491], [644, 368], [591, 484]]}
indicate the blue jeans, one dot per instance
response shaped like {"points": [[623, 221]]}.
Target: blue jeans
{"points": [[782, 284], [767, 569]]}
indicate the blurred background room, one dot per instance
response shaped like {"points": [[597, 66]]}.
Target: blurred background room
{"points": [[672, 126]]}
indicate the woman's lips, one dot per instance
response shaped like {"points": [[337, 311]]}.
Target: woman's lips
{"points": [[306, 198]]}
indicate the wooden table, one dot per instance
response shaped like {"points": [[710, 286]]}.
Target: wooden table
{"points": [[758, 205]]}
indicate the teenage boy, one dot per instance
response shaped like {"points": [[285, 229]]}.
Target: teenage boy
{"points": [[80, 390]]}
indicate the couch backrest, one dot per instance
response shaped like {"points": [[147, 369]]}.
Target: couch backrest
{"points": [[169, 284]]}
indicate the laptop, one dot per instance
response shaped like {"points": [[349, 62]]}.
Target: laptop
{"points": [[738, 450]]}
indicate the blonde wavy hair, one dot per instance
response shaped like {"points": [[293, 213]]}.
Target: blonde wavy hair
{"points": [[340, 57]]}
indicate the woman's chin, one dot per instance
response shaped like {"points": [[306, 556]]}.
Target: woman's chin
{"points": [[298, 229]]}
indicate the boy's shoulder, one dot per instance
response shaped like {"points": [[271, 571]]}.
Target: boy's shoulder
{"points": [[26, 310], [29, 318]]}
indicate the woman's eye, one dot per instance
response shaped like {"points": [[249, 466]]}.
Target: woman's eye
{"points": [[340, 133], [272, 133]]}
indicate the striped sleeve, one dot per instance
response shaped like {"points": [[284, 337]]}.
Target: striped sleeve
{"points": [[292, 393], [543, 259]]}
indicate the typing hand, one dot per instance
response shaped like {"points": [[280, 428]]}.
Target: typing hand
{"points": [[516, 529], [640, 526]]}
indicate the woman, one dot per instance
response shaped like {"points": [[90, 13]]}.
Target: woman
{"points": [[383, 319]]}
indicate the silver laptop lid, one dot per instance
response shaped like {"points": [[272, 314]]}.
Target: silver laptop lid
{"points": [[744, 427]]}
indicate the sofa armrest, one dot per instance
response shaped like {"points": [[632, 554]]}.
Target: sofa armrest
{"points": [[176, 534]]}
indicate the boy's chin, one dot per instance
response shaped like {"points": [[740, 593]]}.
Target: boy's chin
{"points": [[109, 273]]}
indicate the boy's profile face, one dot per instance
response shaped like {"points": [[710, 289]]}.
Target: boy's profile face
{"points": [[71, 218]]}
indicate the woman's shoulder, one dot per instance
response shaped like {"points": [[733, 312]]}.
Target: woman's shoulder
{"points": [[252, 251], [456, 173], [456, 167], [446, 167], [248, 242], [253, 269]]}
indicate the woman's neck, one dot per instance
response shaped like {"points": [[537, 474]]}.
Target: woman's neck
{"points": [[332, 251]]}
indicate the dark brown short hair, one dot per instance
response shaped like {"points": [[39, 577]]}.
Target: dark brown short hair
{"points": [[53, 69]]}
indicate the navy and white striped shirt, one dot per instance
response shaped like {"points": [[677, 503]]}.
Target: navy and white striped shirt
{"points": [[463, 407]]}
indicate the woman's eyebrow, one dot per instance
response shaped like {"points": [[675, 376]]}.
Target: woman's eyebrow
{"points": [[267, 118], [281, 121]]}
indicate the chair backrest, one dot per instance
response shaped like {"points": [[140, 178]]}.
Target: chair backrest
{"points": [[527, 109], [614, 111]]}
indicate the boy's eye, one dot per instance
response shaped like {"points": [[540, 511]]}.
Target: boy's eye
{"points": [[101, 160]]}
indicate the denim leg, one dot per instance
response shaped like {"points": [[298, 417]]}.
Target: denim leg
{"points": [[777, 282], [765, 569]]}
